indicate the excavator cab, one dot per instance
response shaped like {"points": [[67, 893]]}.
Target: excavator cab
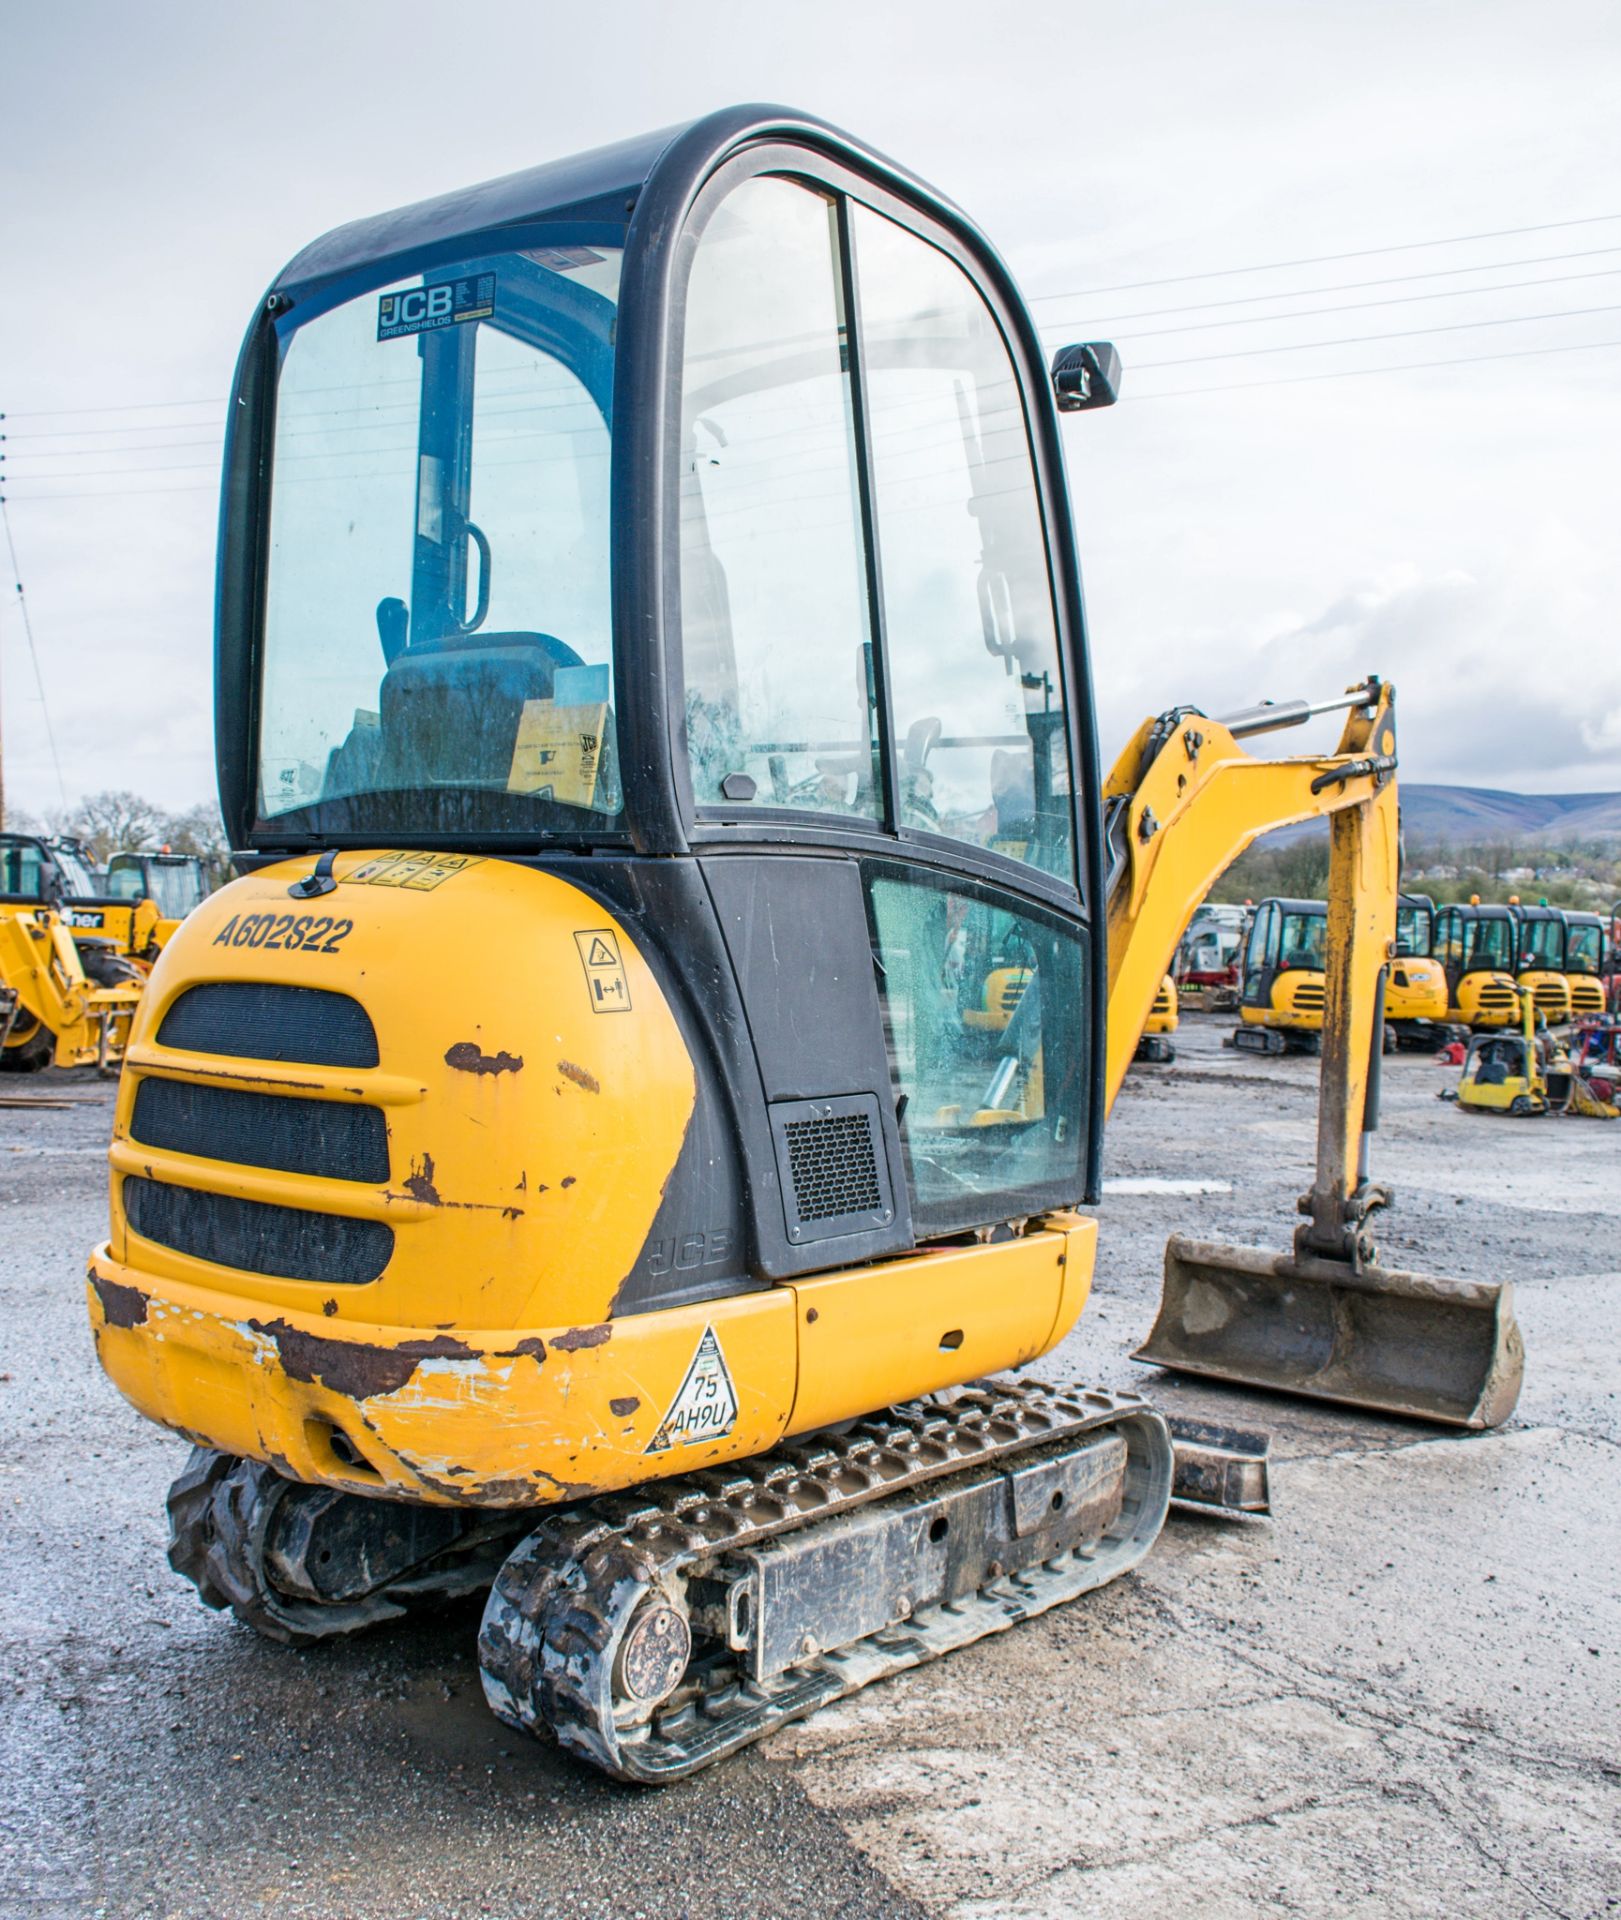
{"points": [[1539, 960], [1416, 989], [1281, 999], [1476, 947], [170, 884], [1584, 962]]}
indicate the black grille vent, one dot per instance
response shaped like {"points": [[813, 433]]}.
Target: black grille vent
{"points": [[287, 1243], [256, 1021], [833, 1166], [830, 1156], [326, 1138]]}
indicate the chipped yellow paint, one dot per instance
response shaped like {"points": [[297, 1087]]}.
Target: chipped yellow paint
{"points": [[501, 1418]]}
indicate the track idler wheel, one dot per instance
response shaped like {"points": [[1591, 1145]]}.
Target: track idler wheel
{"points": [[299, 1563]]}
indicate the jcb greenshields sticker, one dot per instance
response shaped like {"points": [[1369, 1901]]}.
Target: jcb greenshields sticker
{"points": [[425, 309], [706, 1406]]}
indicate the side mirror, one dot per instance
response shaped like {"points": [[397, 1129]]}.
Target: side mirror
{"points": [[1086, 377]]}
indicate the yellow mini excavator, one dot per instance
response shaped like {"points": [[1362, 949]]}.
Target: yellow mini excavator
{"points": [[1416, 991], [1281, 997], [638, 1263]]}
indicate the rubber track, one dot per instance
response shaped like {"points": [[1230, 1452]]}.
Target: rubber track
{"points": [[562, 1601]]}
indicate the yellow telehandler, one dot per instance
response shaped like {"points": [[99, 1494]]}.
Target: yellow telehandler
{"points": [[638, 1270], [67, 993]]}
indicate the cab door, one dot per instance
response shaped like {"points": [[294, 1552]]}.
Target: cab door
{"points": [[876, 703]]}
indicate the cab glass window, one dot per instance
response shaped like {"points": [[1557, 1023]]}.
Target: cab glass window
{"points": [[1582, 949], [1302, 941], [1491, 946], [22, 870], [437, 636], [1412, 932], [969, 628], [985, 1021], [774, 613], [1542, 946]]}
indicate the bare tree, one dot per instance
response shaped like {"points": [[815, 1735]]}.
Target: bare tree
{"points": [[115, 822], [201, 831]]}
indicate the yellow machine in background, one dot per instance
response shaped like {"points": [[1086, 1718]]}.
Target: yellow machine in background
{"points": [[1416, 988], [162, 888], [1584, 962], [1476, 947], [636, 1269], [1281, 1000], [1539, 960], [1163, 1020], [66, 990], [52, 1013], [1526, 1073]]}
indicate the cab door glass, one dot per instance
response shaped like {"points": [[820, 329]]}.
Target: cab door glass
{"points": [[780, 696], [22, 871], [1261, 955], [969, 628], [984, 1020]]}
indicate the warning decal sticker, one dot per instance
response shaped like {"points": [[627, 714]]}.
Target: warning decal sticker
{"points": [[706, 1406], [604, 970], [420, 872]]}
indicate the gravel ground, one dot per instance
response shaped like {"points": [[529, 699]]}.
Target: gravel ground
{"points": [[1397, 1697]]}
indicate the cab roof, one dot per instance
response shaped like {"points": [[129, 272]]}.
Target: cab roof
{"points": [[602, 184]]}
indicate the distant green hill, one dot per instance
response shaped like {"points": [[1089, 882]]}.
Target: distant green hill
{"points": [[1476, 815]]}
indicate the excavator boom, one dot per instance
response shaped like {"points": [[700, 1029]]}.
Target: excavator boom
{"points": [[1324, 1320]]}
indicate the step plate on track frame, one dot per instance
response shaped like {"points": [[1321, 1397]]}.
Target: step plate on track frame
{"points": [[560, 1611], [1390, 1341]]}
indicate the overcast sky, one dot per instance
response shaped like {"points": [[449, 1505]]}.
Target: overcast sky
{"points": [[1248, 528]]}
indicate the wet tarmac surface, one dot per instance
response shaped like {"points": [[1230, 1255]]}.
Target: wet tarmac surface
{"points": [[1397, 1697]]}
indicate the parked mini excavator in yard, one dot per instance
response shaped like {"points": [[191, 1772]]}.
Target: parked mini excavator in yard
{"points": [[1539, 960], [636, 1270], [1281, 1000], [1416, 991], [1476, 947]]}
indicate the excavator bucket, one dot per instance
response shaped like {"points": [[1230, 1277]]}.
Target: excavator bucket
{"points": [[1395, 1342]]}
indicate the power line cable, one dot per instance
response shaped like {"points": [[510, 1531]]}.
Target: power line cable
{"points": [[1361, 373], [1296, 293], [1360, 339], [1344, 306], [33, 651], [1328, 259]]}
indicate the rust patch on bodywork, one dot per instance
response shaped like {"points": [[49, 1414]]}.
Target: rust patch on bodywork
{"points": [[624, 1408], [467, 1057], [578, 1337], [534, 1348], [123, 1306], [419, 1182], [356, 1368], [329, 1307], [579, 1076]]}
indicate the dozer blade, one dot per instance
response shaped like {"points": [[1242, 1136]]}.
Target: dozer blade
{"points": [[1404, 1343]]}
